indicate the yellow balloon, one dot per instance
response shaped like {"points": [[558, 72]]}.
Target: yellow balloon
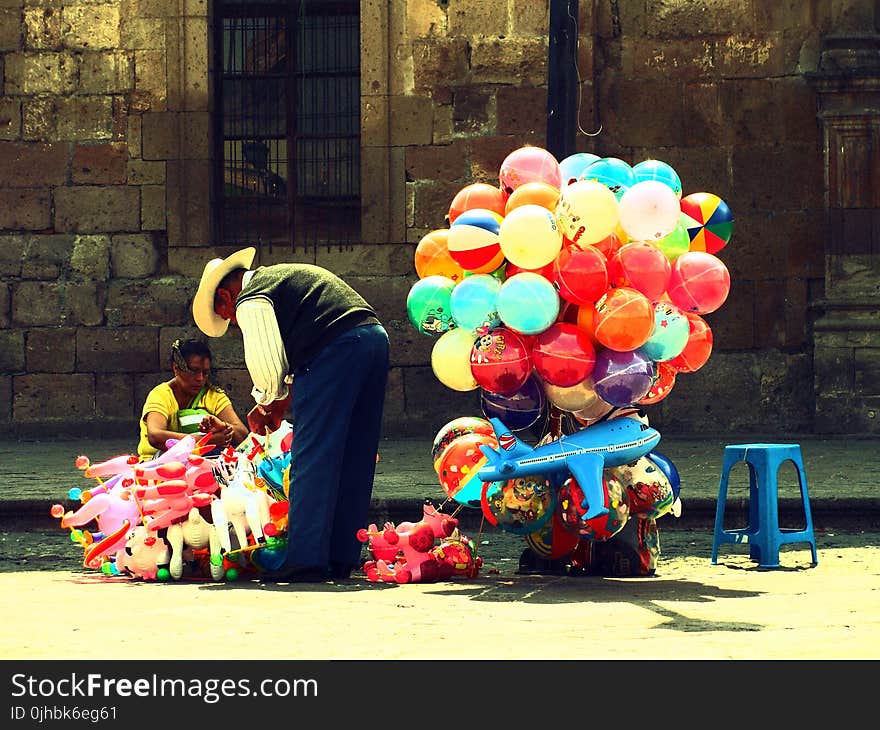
{"points": [[587, 211], [451, 359], [530, 237]]}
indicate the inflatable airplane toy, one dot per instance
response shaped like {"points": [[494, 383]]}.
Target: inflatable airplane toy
{"points": [[584, 454]]}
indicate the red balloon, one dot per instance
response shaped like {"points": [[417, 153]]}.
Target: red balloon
{"points": [[563, 355], [608, 246], [624, 319], [699, 282], [664, 381], [642, 266], [697, 349], [500, 361], [546, 271], [580, 274], [476, 195]]}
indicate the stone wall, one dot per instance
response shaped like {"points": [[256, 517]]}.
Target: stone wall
{"points": [[106, 170]]}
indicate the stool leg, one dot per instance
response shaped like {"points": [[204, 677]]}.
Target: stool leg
{"points": [[754, 514], [769, 506], [719, 509], [808, 515]]}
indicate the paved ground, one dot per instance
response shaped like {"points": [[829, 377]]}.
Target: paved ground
{"points": [[690, 609]]}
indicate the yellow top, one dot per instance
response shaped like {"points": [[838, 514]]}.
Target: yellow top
{"points": [[161, 400]]}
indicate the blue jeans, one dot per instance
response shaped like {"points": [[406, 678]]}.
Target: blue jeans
{"points": [[336, 414]]}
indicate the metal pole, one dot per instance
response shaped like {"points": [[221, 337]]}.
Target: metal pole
{"points": [[562, 78]]}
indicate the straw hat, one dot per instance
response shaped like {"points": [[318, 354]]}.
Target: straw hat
{"points": [[207, 320]]}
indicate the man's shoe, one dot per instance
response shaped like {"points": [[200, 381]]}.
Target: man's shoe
{"points": [[531, 564], [295, 575], [340, 571]]}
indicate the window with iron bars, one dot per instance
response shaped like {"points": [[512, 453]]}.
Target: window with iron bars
{"points": [[287, 121]]}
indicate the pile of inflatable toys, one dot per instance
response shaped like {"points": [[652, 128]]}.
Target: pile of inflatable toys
{"points": [[184, 515]]}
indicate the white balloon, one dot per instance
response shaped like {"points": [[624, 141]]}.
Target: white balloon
{"points": [[649, 210]]}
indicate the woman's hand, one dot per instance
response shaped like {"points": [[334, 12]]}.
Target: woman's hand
{"points": [[221, 432], [262, 419]]}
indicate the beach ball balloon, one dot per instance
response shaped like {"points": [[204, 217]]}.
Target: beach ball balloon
{"points": [[674, 243], [613, 173], [476, 195], [659, 171], [473, 241], [664, 382], [580, 274], [529, 236], [575, 508], [708, 220], [622, 378], [459, 464], [451, 359], [500, 361], [699, 283], [648, 491], [428, 305], [698, 348], [572, 398], [642, 266], [563, 355], [432, 257], [671, 332], [587, 212], [528, 303], [649, 210], [528, 164], [474, 301], [666, 465], [572, 167], [533, 193], [523, 409], [521, 505], [624, 319], [453, 429], [554, 540]]}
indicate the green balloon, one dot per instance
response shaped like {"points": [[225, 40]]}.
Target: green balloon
{"points": [[427, 305], [675, 243]]}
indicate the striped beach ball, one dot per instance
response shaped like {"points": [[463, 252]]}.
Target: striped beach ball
{"points": [[473, 241], [708, 220]]}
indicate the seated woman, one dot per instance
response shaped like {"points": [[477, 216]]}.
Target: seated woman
{"points": [[190, 388]]}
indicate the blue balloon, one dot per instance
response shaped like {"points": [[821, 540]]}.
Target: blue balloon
{"points": [[519, 411], [659, 171], [528, 303], [573, 166], [664, 464], [613, 173], [474, 302]]}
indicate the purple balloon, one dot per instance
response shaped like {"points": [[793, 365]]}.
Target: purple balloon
{"points": [[521, 410], [622, 378]]}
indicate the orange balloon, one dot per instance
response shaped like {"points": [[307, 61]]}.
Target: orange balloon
{"points": [[432, 257], [586, 322], [533, 193], [476, 195], [624, 319]]}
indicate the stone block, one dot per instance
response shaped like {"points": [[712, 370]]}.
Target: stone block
{"points": [[757, 110], [672, 19], [25, 209], [39, 73], [161, 301], [36, 303], [138, 33], [153, 208], [487, 154], [51, 350], [409, 347], [733, 324], [237, 384], [443, 125], [12, 358], [42, 28], [471, 110], [30, 165], [796, 169], [228, 351], [38, 121], [12, 252], [161, 139], [85, 303], [90, 27], [5, 401], [114, 398], [47, 257], [90, 258], [106, 72], [133, 256], [98, 209], [374, 259], [437, 162], [189, 195], [133, 136], [62, 397], [475, 18], [10, 118], [10, 29], [509, 61], [5, 300], [431, 202], [430, 404], [866, 370], [763, 56], [529, 18], [117, 349], [99, 164], [439, 62], [521, 110], [682, 59], [145, 172], [411, 120], [84, 118], [628, 103], [386, 294]]}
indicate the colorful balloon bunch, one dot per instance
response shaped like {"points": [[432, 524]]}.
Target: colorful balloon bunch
{"points": [[579, 284], [150, 519]]}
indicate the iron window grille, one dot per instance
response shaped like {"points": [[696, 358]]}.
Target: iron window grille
{"points": [[287, 122]]}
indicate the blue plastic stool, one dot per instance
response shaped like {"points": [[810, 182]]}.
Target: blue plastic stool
{"points": [[763, 535]]}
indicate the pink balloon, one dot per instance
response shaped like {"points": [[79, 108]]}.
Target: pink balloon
{"points": [[641, 266], [580, 274], [528, 164], [563, 355], [500, 361], [700, 282]]}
